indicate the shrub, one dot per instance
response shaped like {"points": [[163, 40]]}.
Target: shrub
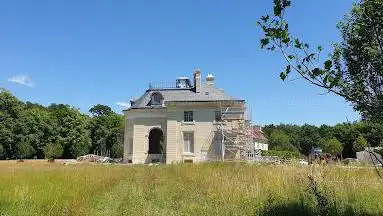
{"points": [[281, 154]]}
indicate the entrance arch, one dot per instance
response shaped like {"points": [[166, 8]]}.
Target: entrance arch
{"points": [[156, 141]]}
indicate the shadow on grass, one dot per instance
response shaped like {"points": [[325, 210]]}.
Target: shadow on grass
{"points": [[286, 209], [293, 209]]}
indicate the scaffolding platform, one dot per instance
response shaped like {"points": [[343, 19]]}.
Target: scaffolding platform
{"points": [[236, 132]]}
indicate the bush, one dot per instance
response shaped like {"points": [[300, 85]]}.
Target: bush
{"points": [[281, 154]]}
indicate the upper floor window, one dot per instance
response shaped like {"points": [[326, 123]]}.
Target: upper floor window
{"points": [[188, 116], [156, 99]]}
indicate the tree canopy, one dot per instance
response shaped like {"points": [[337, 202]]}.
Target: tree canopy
{"points": [[338, 139], [29, 130], [332, 146], [360, 144]]}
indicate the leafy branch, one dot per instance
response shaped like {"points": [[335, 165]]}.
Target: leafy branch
{"points": [[298, 55]]}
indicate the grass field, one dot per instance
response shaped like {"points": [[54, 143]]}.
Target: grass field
{"points": [[208, 189]]}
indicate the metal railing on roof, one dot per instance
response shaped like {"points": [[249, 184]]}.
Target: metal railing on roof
{"points": [[165, 85]]}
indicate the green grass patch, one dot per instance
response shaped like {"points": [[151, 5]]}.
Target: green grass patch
{"points": [[187, 189]]}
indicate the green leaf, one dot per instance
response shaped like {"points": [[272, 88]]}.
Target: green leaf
{"points": [[264, 42], [283, 75], [328, 65], [288, 69], [265, 18], [316, 72], [286, 40], [277, 7], [297, 43]]}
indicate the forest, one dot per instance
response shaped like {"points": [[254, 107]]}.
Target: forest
{"points": [[29, 130], [341, 140]]}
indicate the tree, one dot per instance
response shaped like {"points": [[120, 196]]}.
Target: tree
{"points": [[38, 128], [1, 150], [292, 131], [326, 131], [346, 133], [359, 58], [73, 130], [53, 150], [355, 69], [24, 150], [308, 138], [100, 110], [279, 140], [106, 130], [332, 146], [30, 129], [373, 132], [9, 104], [117, 150], [359, 144], [10, 111]]}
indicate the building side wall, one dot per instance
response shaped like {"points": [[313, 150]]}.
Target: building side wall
{"points": [[204, 129], [261, 146]]}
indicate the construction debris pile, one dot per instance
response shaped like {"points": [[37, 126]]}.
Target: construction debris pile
{"points": [[97, 159]]}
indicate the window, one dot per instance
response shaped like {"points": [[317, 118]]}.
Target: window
{"points": [[217, 117], [188, 116], [156, 99], [189, 142]]}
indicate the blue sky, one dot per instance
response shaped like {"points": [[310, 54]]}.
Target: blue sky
{"points": [[83, 53]]}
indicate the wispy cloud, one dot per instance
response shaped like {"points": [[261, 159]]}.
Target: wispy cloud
{"points": [[22, 80], [123, 104]]}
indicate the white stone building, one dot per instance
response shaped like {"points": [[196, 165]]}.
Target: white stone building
{"points": [[185, 122]]}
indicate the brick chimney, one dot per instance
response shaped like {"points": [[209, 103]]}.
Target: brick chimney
{"points": [[197, 81], [209, 80]]}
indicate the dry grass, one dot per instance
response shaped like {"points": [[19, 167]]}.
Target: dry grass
{"points": [[39, 188]]}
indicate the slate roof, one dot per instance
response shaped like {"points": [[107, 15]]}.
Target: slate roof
{"points": [[183, 95]]}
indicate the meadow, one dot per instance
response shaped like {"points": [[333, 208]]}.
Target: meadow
{"points": [[43, 188]]}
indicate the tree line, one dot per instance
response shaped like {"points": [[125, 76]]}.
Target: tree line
{"points": [[344, 139], [30, 130]]}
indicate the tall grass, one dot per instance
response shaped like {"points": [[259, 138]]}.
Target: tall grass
{"points": [[189, 189]]}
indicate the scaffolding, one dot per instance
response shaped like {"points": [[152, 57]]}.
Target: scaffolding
{"points": [[235, 128]]}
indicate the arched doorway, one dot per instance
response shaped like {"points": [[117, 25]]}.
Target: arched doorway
{"points": [[156, 140]]}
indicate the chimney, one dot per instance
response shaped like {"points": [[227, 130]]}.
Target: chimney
{"points": [[197, 81], [209, 80]]}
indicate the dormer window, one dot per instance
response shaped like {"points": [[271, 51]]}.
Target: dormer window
{"points": [[156, 99]]}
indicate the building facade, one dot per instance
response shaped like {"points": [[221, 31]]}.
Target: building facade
{"points": [[185, 122]]}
